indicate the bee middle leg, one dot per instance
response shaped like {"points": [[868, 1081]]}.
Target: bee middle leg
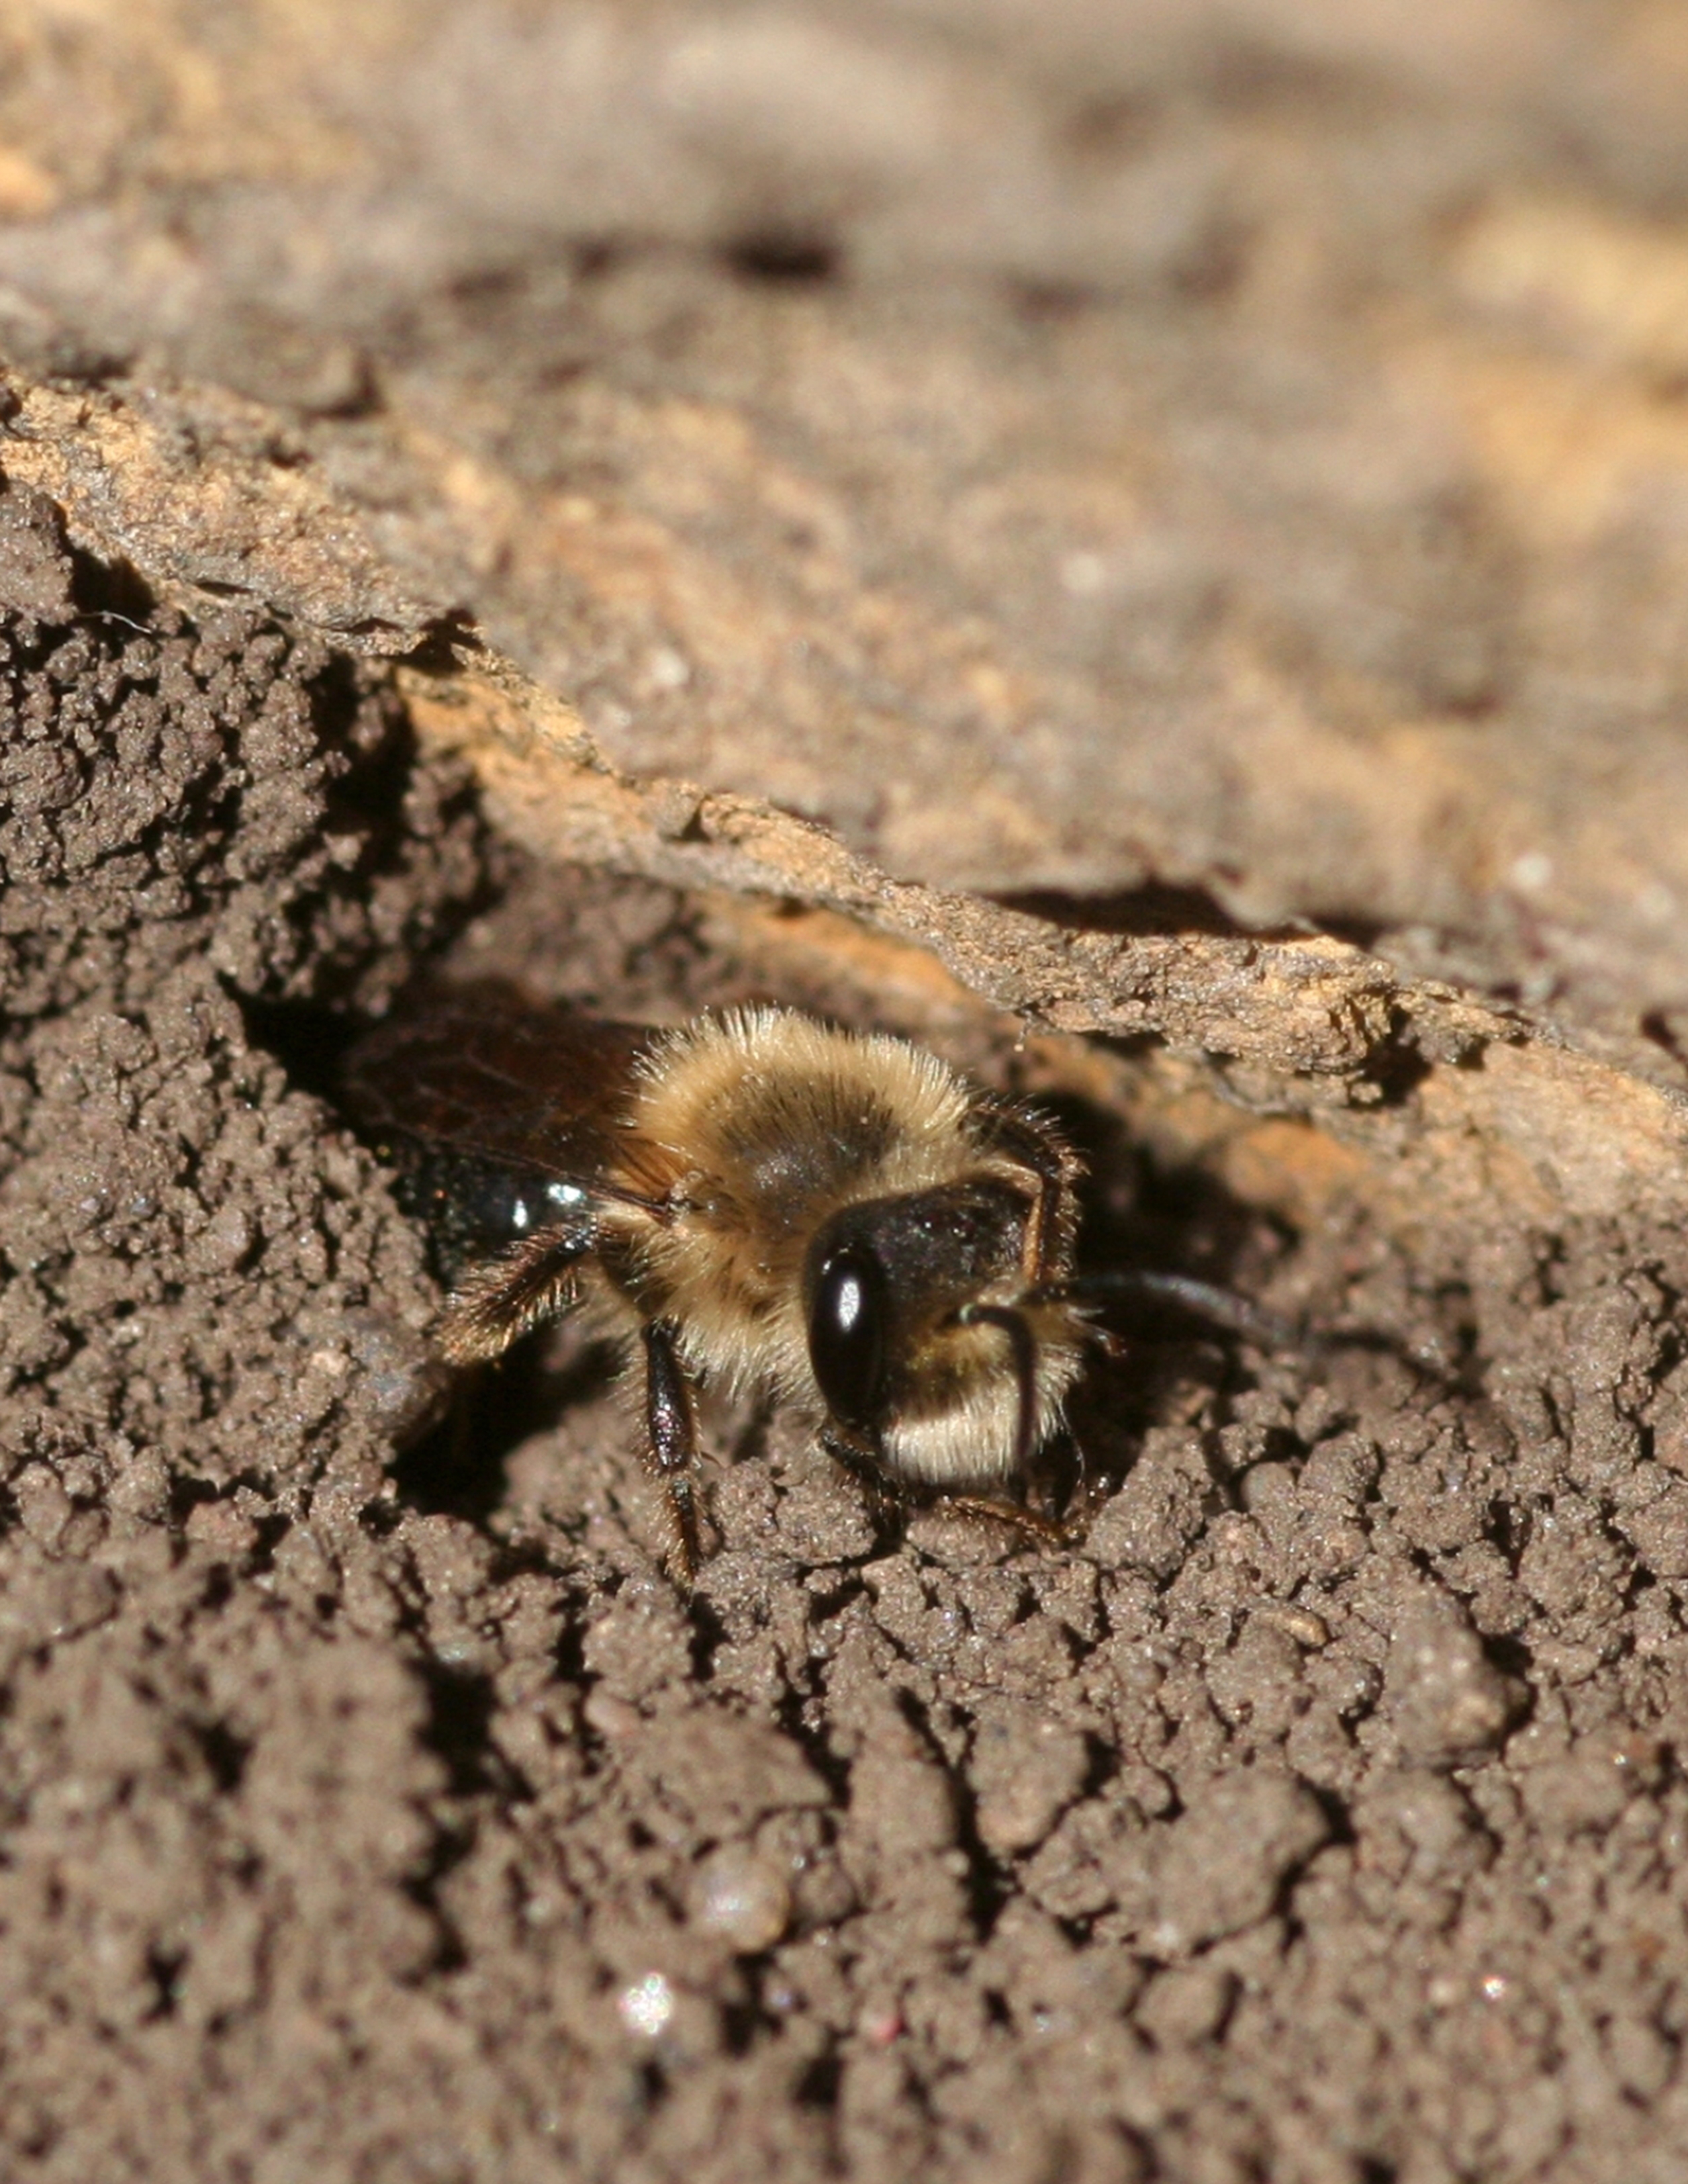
{"points": [[1047, 1531], [671, 1443]]}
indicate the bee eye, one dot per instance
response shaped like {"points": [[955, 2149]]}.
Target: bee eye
{"points": [[847, 1337]]}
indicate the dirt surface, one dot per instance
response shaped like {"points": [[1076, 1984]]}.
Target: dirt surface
{"points": [[373, 1807]]}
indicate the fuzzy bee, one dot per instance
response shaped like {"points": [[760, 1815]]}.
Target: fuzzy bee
{"points": [[760, 1202]]}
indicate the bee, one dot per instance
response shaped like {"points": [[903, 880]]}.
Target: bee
{"points": [[759, 1201]]}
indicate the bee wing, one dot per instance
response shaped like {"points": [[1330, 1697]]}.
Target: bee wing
{"points": [[486, 1075]]}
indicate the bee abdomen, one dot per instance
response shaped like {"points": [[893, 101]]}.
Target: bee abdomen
{"points": [[475, 1208]]}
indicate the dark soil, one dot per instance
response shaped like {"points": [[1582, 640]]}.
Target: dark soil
{"points": [[372, 1805]]}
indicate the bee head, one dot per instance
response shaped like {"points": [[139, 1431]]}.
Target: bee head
{"points": [[929, 1358]]}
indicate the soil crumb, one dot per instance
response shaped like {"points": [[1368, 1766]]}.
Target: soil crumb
{"points": [[372, 1807]]}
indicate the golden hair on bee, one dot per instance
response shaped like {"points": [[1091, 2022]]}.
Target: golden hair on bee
{"points": [[845, 1212], [758, 1201]]}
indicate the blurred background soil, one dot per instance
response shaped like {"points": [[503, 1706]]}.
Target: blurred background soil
{"points": [[1142, 545]]}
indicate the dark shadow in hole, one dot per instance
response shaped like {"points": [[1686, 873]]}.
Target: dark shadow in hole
{"points": [[165, 1968], [368, 626], [450, 1952], [1658, 1028], [819, 2083], [1362, 933], [460, 1470], [1156, 911], [1137, 1214], [459, 1729], [439, 649], [309, 1042], [216, 588], [113, 589], [187, 1493], [1512, 1656], [1396, 1065], [785, 258], [225, 1753]]}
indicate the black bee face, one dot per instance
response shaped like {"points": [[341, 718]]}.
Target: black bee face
{"points": [[892, 1284]]}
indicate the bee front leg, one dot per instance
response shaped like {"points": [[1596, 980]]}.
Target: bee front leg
{"points": [[888, 1505], [671, 1443]]}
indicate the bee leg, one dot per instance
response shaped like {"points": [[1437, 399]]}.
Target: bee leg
{"points": [[1029, 1523], [498, 1300], [1026, 1136], [1198, 1300], [887, 1506], [672, 1441]]}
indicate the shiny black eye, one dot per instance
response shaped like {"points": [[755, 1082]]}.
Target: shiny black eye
{"points": [[847, 1337]]}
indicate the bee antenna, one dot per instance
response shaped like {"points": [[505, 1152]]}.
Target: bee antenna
{"points": [[1024, 1344], [1204, 1300]]}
